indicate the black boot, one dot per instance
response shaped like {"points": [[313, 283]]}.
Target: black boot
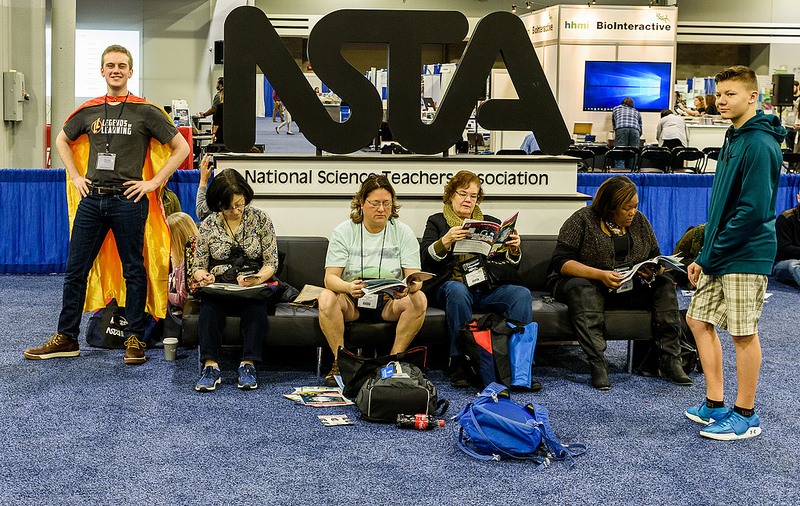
{"points": [[672, 369], [458, 373], [600, 379]]}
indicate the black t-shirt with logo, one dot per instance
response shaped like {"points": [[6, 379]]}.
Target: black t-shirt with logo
{"points": [[128, 126]]}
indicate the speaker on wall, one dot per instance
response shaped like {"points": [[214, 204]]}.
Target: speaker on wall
{"points": [[218, 52], [782, 89]]}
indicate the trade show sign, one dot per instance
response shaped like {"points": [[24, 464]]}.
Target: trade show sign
{"points": [[251, 41]]}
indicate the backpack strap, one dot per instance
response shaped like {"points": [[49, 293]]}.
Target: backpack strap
{"points": [[441, 407], [555, 448]]}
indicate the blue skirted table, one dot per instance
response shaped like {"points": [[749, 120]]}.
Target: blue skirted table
{"points": [[35, 231]]}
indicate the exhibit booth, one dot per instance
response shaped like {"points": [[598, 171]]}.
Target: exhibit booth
{"points": [[594, 56]]}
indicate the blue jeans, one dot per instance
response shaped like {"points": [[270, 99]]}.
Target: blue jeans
{"points": [[96, 215], [787, 271], [458, 302], [626, 137]]}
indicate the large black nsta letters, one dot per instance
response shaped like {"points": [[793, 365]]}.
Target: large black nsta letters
{"points": [[250, 41]]}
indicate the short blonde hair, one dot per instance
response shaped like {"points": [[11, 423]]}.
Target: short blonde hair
{"points": [[181, 228], [116, 48]]}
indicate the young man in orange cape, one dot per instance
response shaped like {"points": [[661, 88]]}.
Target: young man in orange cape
{"points": [[118, 151]]}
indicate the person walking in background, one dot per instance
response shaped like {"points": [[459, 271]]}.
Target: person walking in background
{"points": [[787, 231], [216, 100], [627, 124], [276, 106], [105, 147], [672, 131], [287, 121], [738, 252]]}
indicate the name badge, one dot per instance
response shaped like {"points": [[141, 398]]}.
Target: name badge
{"points": [[368, 301], [105, 161], [474, 272]]}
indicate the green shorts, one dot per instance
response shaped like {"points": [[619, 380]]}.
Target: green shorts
{"points": [[731, 301]]}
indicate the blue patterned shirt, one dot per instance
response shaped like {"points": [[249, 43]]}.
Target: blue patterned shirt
{"points": [[623, 116]]}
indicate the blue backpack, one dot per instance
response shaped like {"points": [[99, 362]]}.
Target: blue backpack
{"points": [[493, 427]]}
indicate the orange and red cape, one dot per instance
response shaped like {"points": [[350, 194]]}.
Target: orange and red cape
{"points": [[105, 278]]}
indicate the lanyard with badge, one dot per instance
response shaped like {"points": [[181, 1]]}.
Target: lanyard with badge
{"points": [[106, 161], [370, 301]]}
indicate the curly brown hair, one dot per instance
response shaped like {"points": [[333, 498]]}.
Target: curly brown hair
{"points": [[371, 183], [462, 179]]}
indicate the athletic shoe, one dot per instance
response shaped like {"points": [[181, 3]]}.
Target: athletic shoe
{"points": [[58, 346], [330, 378], [134, 351], [289, 133], [277, 131], [247, 377], [208, 380], [732, 427], [705, 415]]}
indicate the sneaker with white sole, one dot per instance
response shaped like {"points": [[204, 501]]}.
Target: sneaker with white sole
{"points": [[209, 379], [705, 415], [247, 377], [58, 346], [732, 427]]}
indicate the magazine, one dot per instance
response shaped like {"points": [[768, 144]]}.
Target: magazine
{"points": [[394, 286], [308, 296], [668, 261], [486, 237], [319, 397]]}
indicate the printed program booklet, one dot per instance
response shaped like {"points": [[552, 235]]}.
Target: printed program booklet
{"points": [[393, 286], [668, 261], [333, 420], [485, 237]]}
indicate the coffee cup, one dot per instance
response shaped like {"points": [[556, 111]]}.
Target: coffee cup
{"points": [[170, 348]]}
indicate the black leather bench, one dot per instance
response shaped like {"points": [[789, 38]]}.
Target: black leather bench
{"points": [[305, 264]]}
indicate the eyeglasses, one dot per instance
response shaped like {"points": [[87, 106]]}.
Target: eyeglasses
{"points": [[375, 204], [236, 207], [463, 195]]}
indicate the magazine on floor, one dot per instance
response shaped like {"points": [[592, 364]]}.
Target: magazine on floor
{"points": [[319, 397], [486, 237], [394, 286]]}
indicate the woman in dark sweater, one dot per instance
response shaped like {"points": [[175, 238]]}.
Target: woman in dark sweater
{"points": [[607, 235], [458, 294]]}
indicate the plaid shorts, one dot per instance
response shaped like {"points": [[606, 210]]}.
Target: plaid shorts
{"points": [[731, 301]]}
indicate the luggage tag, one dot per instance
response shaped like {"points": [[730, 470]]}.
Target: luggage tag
{"points": [[474, 271], [387, 372], [106, 161]]}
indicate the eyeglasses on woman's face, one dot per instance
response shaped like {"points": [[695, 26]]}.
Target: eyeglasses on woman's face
{"points": [[464, 195], [239, 205], [375, 204]]}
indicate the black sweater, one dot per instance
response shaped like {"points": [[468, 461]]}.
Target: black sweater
{"points": [[787, 230]]}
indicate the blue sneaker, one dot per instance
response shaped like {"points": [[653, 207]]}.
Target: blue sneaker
{"points": [[705, 415], [734, 426], [209, 380], [247, 377]]}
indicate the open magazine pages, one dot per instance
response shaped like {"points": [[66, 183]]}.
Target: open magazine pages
{"points": [[391, 285], [486, 237], [668, 261]]}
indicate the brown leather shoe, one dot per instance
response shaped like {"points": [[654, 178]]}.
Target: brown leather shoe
{"points": [[134, 351], [58, 346]]}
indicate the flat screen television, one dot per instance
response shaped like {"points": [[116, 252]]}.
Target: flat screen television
{"points": [[606, 83]]}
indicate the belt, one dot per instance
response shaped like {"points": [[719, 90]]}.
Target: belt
{"points": [[107, 190]]}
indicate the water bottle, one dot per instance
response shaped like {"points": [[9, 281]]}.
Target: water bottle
{"points": [[419, 422]]}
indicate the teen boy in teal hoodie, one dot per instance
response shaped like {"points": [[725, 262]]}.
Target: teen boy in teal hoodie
{"points": [[738, 251]]}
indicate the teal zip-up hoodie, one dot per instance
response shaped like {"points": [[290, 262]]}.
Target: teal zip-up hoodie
{"points": [[740, 233]]}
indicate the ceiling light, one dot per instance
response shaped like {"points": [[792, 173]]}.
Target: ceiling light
{"points": [[513, 8], [528, 5]]}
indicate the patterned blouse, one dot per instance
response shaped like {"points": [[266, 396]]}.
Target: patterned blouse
{"points": [[256, 236]]}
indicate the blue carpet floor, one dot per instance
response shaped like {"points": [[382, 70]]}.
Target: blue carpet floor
{"points": [[90, 430]]}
